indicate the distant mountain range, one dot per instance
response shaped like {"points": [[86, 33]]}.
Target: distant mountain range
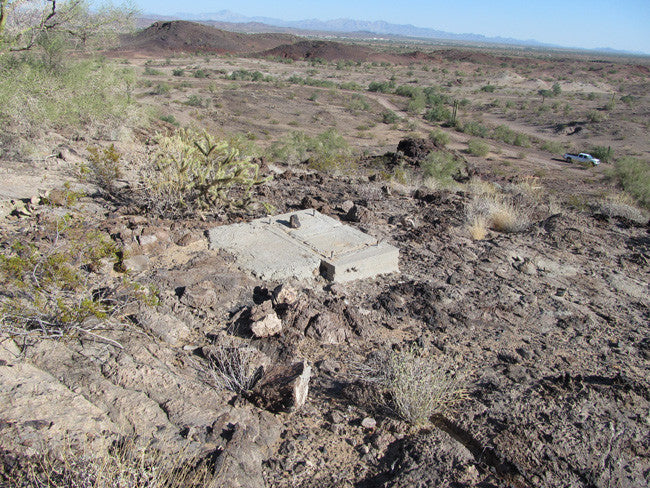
{"points": [[232, 21], [353, 26]]}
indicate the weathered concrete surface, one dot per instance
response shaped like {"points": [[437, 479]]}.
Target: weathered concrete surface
{"points": [[272, 250]]}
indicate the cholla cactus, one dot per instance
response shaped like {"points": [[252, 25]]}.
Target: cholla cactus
{"points": [[195, 169]]}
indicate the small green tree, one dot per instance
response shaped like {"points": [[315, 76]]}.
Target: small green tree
{"points": [[23, 23], [556, 89]]}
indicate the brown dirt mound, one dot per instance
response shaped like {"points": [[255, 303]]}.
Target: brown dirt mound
{"points": [[183, 36], [327, 50]]}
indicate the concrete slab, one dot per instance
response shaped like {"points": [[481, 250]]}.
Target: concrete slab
{"points": [[270, 249]]}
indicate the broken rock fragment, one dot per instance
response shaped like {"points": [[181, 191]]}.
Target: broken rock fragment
{"points": [[264, 321], [283, 388], [268, 326]]}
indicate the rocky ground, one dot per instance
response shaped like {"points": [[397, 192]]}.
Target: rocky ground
{"points": [[548, 329]]}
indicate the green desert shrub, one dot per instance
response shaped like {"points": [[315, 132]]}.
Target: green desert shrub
{"points": [[149, 71], [325, 151], [438, 113], [381, 86], [358, 102], [633, 174], [195, 101], [78, 94], [439, 138], [476, 147], [350, 85], [48, 285], [161, 89], [103, 168], [603, 153], [553, 147], [390, 117], [509, 136], [595, 116], [170, 119], [474, 128], [443, 167], [246, 75]]}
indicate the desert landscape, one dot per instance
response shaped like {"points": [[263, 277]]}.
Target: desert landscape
{"points": [[512, 348]]}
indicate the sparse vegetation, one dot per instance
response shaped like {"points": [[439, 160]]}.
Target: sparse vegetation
{"points": [[78, 94], [104, 167], [498, 212], [443, 167], [439, 138], [49, 287], [390, 117], [416, 386], [125, 464], [232, 368], [633, 174], [193, 171], [476, 147], [327, 151]]}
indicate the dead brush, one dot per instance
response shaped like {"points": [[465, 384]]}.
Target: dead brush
{"points": [[231, 367], [124, 465], [414, 385], [477, 227], [621, 205]]}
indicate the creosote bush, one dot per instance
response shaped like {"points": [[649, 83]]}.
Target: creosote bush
{"points": [[104, 166], [439, 138], [195, 171], [443, 167], [327, 151], [477, 147]]}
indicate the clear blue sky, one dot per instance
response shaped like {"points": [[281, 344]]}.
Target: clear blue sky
{"points": [[621, 24]]}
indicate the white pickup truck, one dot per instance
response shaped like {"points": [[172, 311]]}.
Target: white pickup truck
{"points": [[581, 158]]}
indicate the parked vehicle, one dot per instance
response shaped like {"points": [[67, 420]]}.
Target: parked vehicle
{"points": [[583, 158]]}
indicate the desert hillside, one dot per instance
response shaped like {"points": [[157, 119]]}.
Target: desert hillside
{"points": [[150, 337]]}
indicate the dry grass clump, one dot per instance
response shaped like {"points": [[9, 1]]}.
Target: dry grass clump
{"points": [[415, 386], [123, 466], [528, 186], [477, 186], [478, 228], [621, 205], [497, 212]]}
